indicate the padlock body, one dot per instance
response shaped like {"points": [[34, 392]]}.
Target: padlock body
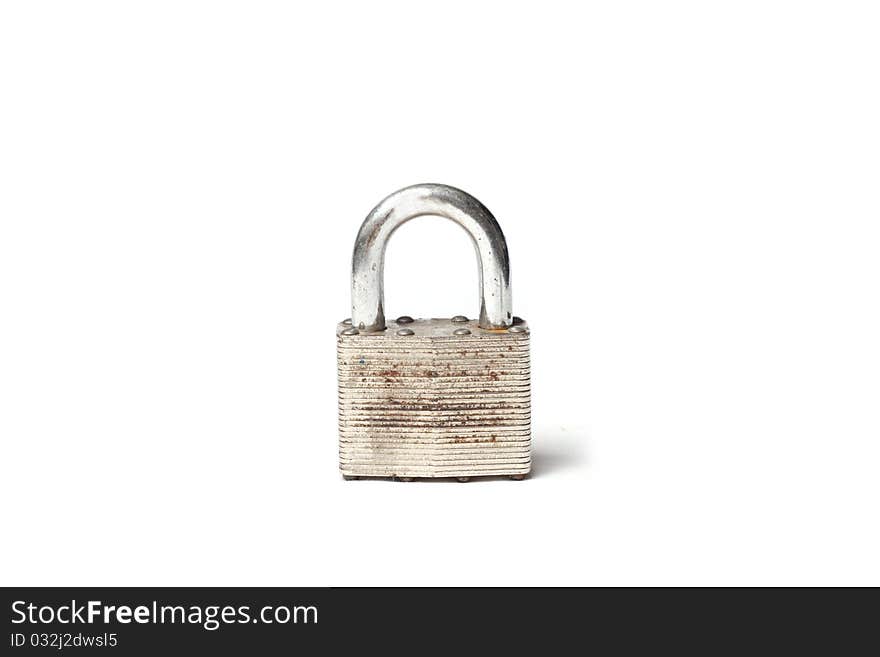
{"points": [[434, 404]]}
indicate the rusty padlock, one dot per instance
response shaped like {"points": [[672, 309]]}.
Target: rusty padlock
{"points": [[433, 397]]}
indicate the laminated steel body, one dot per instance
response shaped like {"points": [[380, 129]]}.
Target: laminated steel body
{"points": [[434, 404]]}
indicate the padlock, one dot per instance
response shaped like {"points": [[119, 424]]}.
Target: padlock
{"points": [[433, 397]]}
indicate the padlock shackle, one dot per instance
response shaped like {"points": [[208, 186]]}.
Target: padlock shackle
{"points": [[368, 259]]}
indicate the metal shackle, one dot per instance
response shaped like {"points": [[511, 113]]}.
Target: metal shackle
{"points": [[368, 259]]}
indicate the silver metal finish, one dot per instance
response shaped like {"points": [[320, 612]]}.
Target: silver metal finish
{"points": [[433, 397], [434, 404], [368, 259]]}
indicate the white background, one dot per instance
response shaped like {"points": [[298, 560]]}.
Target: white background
{"points": [[691, 201]]}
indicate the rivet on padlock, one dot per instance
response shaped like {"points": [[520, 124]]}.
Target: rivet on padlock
{"points": [[433, 397]]}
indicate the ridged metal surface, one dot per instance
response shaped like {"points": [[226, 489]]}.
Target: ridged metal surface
{"points": [[434, 404]]}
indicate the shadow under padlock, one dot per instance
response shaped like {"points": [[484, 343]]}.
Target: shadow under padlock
{"points": [[433, 397]]}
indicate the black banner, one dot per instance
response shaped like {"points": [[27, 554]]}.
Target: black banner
{"points": [[148, 621]]}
